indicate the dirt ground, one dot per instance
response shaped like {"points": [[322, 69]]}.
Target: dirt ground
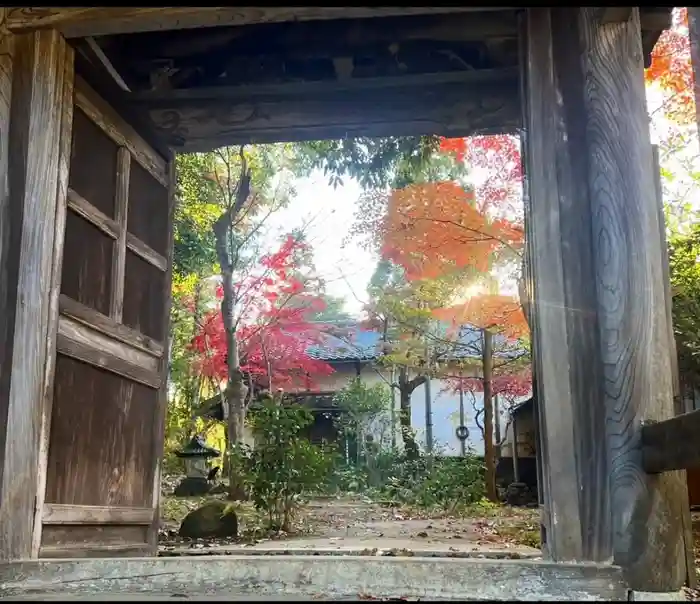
{"points": [[355, 524]]}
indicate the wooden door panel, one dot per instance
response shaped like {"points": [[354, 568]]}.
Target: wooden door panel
{"points": [[107, 414]]}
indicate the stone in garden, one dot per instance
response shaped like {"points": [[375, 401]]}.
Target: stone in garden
{"points": [[213, 519]]}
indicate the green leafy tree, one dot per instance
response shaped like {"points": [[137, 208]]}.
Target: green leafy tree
{"points": [[224, 199], [685, 289], [364, 410], [282, 465]]}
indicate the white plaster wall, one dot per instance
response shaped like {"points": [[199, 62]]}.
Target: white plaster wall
{"points": [[344, 374], [445, 416], [445, 412]]}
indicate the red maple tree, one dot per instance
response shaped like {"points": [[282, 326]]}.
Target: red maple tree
{"points": [[671, 69], [272, 327], [510, 386]]}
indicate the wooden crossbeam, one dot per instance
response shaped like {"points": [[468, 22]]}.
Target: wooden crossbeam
{"points": [[673, 444], [79, 22]]}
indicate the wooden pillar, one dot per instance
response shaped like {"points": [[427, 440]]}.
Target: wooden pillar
{"points": [[35, 88], [600, 332], [516, 471]]}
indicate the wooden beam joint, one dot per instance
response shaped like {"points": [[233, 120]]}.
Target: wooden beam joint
{"points": [[673, 444]]}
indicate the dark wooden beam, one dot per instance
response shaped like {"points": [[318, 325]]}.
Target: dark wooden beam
{"points": [[312, 38], [98, 78], [35, 110], [673, 444], [666, 276], [298, 90], [594, 193], [82, 22], [447, 110], [634, 345], [552, 343], [94, 48]]}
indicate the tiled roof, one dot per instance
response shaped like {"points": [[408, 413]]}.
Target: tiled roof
{"points": [[356, 344], [352, 344]]}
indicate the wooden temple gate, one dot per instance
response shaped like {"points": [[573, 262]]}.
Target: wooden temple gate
{"points": [[87, 131]]}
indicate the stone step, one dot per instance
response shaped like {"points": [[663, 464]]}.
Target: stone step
{"points": [[315, 577]]}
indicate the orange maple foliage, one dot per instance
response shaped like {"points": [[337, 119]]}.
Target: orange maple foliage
{"points": [[488, 311], [671, 69], [433, 227]]}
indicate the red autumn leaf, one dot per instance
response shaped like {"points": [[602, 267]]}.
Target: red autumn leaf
{"points": [[274, 329]]}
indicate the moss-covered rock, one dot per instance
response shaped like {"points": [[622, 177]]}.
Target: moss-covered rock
{"points": [[213, 519]]}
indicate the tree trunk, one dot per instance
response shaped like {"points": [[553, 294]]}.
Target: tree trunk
{"points": [[489, 450], [235, 392], [406, 388], [409, 442]]}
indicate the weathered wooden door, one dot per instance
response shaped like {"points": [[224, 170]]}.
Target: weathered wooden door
{"points": [[102, 435]]}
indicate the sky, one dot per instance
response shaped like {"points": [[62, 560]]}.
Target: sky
{"points": [[329, 213]]}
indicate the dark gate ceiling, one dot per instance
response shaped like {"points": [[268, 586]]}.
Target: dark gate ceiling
{"points": [[451, 74]]}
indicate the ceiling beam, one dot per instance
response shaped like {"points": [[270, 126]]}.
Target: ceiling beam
{"points": [[93, 48], [295, 90], [448, 110], [82, 22]]}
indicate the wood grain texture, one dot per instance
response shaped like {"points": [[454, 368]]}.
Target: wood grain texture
{"points": [[93, 173], [55, 287], [57, 513], [148, 216], [86, 275], [119, 254], [159, 424], [82, 206], [8, 236], [90, 551], [672, 444], [102, 323], [80, 22], [549, 330], [96, 541], [146, 253], [634, 353], [100, 451], [34, 139], [581, 303], [102, 114], [678, 402], [78, 341], [448, 110], [299, 90], [144, 297]]}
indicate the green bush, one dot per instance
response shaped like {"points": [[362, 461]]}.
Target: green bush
{"points": [[443, 482], [282, 465]]}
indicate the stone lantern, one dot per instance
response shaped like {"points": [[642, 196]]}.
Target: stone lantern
{"points": [[195, 455]]}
